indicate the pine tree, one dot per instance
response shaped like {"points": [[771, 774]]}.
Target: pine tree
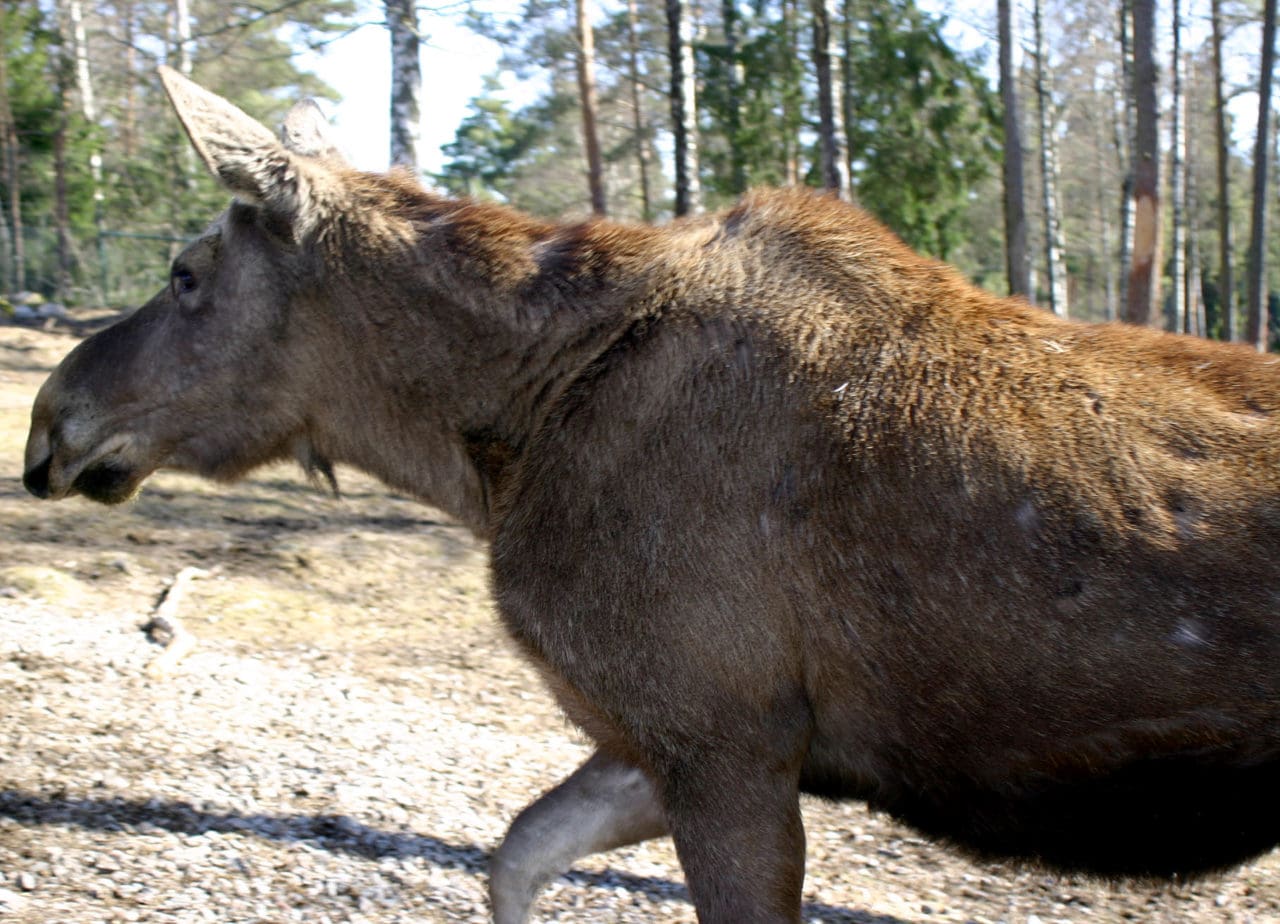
{"points": [[923, 122]]}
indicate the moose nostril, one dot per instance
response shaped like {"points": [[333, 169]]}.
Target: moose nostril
{"points": [[36, 480]]}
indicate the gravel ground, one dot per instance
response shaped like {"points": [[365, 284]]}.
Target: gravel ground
{"points": [[350, 736], [282, 787], [285, 786]]}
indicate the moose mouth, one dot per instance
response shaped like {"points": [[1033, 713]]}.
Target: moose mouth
{"points": [[103, 475], [107, 482]]}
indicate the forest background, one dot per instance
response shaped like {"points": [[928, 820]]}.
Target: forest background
{"points": [[1107, 161]]}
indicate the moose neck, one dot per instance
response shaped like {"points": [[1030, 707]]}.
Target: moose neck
{"points": [[463, 339]]}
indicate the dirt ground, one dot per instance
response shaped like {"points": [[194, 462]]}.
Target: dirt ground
{"points": [[437, 735]]}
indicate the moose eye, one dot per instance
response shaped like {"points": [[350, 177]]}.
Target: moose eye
{"points": [[183, 281]]}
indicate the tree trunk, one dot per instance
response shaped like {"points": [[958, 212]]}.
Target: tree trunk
{"points": [[13, 173], [1196, 320], [1226, 284], [185, 162], [63, 63], [733, 74], [1177, 179], [1144, 276], [1102, 211], [1192, 270], [1054, 261], [8, 253], [129, 117], [1256, 333], [182, 29], [80, 50], [638, 125], [684, 108], [792, 119], [1017, 263], [844, 93], [1103, 229], [16, 280], [587, 96], [1124, 151], [826, 56], [406, 82], [89, 110]]}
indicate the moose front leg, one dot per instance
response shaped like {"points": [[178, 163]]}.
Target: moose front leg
{"points": [[606, 803], [740, 839]]}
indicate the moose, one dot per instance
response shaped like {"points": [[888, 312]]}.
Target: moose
{"points": [[774, 504]]}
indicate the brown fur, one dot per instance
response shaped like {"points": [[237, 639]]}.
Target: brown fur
{"points": [[775, 504]]}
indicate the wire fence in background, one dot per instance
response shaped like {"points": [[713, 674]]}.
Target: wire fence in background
{"points": [[113, 268]]}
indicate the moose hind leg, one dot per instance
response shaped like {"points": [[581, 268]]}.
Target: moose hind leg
{"points": [[605, 803]]}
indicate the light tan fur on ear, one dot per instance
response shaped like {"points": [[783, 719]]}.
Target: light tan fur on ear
{"points": [[245, 156], [305, 131]]}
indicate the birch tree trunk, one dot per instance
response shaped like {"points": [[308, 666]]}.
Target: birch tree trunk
{"points": [[1017, 262], [733, 74], [10, 160], [406, 82], [1226, 284], [129, 117], [13, 174], [186, 160], [826, 57], [845, 94], [63, 63], [89, 110], [8, 252], [182, 29], [1177, 178], [1104, 231], [80, 48], [791, 95], [684, 108], [1124, 143], [1194, 321], [1195, 281], [1256, 333], [1144, 276], [1054, 261], [587, 97], [638, 124]]}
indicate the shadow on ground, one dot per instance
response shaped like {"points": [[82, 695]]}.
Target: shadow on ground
{"points": [[337, 833]]}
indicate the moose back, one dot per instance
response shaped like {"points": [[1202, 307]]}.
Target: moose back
{"points": [[775, 505]]}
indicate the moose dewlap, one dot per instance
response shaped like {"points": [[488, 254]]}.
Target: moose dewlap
{"points": [[775, 505]]}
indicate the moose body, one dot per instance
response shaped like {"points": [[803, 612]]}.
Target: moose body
{"points": [[775, 505]]}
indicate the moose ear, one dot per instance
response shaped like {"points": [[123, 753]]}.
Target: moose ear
{"points": [[242, 153], [305, 131]]}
